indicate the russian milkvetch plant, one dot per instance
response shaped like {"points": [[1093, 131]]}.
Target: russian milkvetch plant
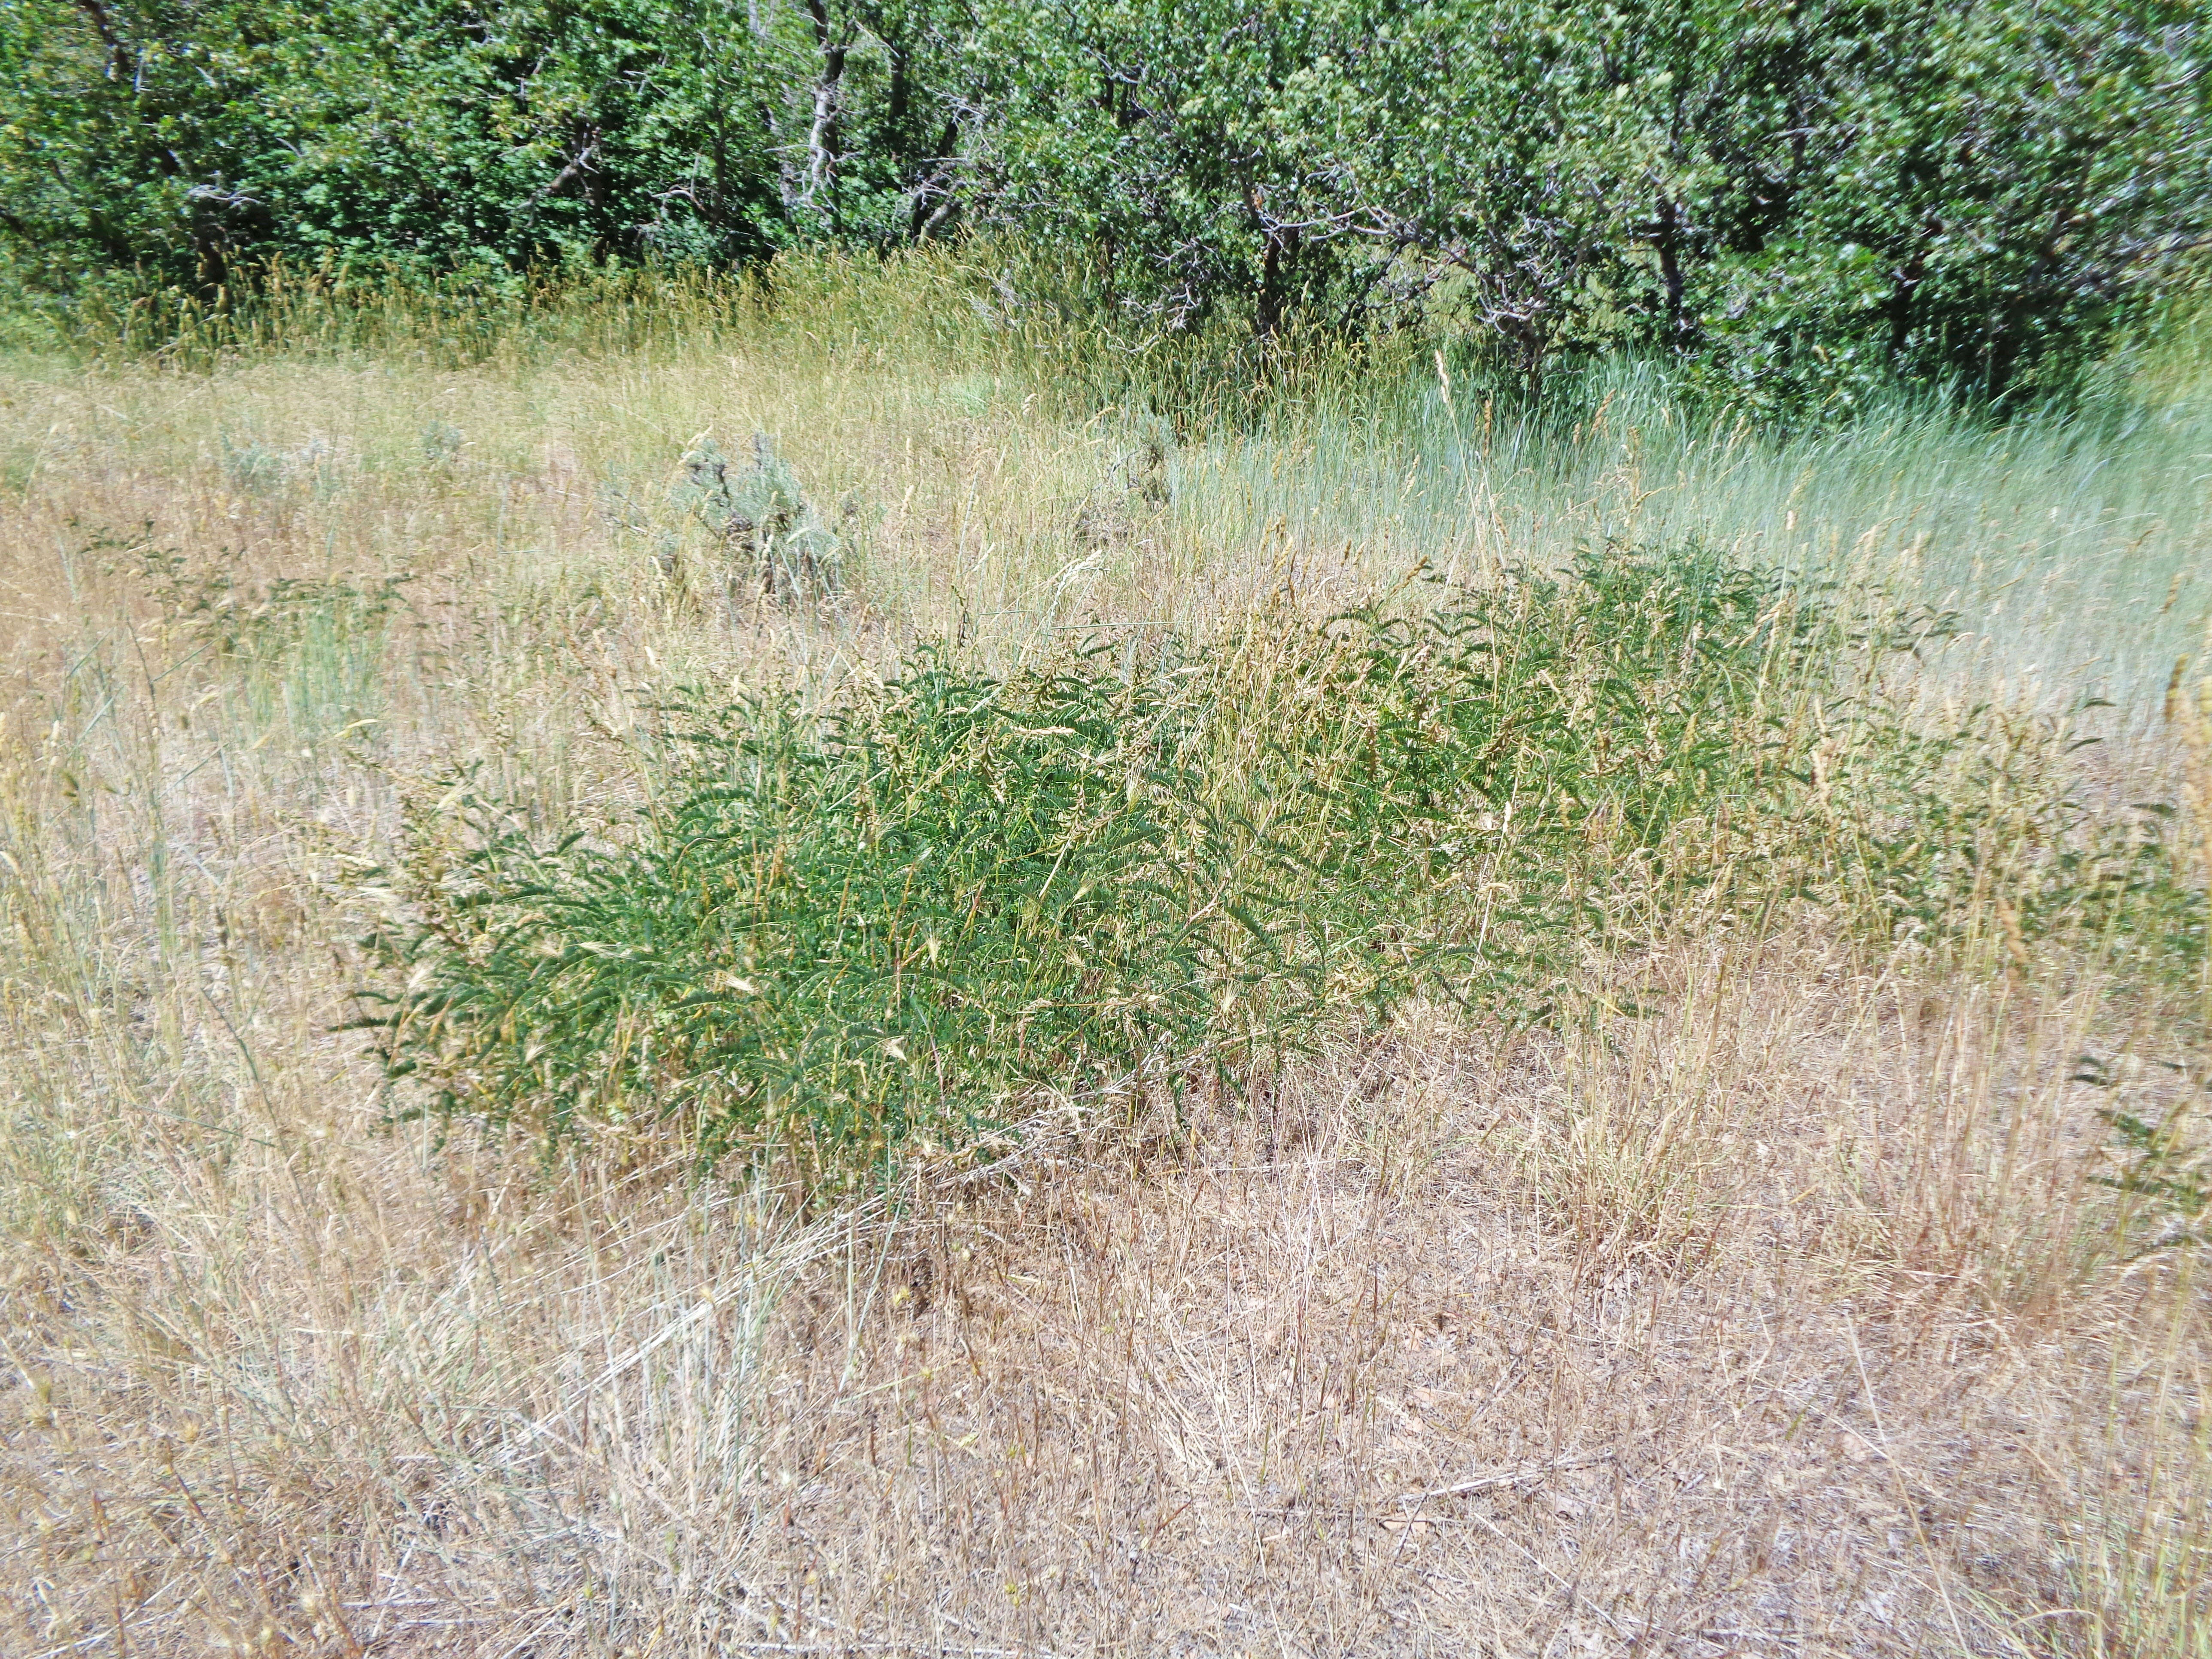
{"points": [[845, 933], [958, 897]]}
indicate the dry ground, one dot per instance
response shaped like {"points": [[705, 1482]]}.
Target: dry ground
{"points": [[1758, 1326], [1785, 1317]]}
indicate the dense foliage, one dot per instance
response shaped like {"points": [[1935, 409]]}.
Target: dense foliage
{"points": [[961, 894], [1798, 199], [185, 139], [955, 899]]}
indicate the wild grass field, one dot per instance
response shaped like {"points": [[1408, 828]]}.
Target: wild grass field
{"points": [[1035, 1017]]}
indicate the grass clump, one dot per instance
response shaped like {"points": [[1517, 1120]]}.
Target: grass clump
{"points": [[959, 894]]}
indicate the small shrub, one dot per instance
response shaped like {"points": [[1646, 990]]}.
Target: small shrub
{"points": [[253, 468], [761, 518], [442, 443], [960, 896]]}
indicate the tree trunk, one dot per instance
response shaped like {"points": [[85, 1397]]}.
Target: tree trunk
{"points": [[1278, 269], [829, 101], [929, 217], [1908, 275], [1667, 239]]}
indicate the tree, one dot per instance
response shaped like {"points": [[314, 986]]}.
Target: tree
{"points": [[1794, 199], [191, 141], [1190, 149], [132, 132]]}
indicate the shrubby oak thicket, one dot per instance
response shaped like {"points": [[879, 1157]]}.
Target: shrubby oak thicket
{"points": [[1800, 199]]}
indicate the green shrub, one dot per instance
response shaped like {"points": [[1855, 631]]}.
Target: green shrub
{"points": [[1988, 828], [854, 933], [958, 897], [1473, 793]]}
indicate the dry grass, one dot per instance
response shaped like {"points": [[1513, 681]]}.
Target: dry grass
{"points": [[1786, 1317]]}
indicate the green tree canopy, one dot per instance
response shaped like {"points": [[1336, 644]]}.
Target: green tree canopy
{"points": [[1796, 197]]}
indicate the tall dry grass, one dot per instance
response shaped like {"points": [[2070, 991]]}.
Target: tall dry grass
{"points": [[1799, 1296]]}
